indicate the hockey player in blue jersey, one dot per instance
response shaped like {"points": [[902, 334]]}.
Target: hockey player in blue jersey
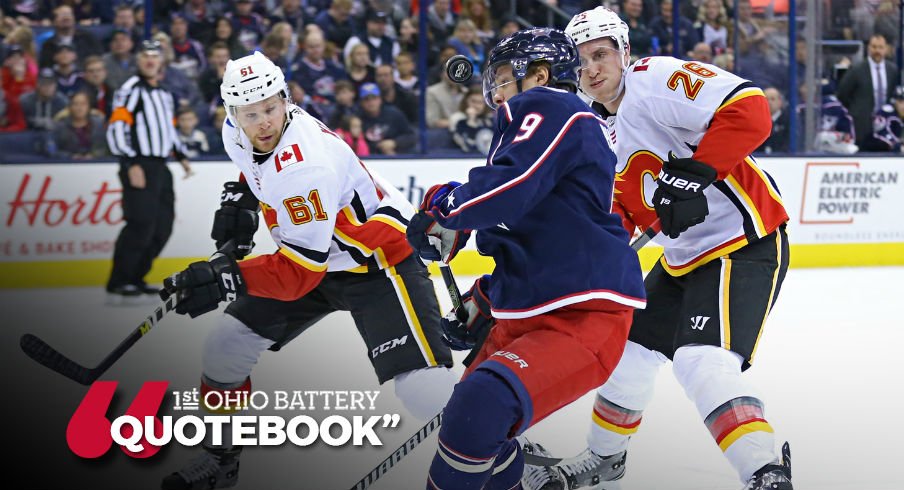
{"points": [[887, 125], [835, 131], [566, 282]]}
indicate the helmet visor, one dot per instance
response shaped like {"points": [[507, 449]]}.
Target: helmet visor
{"points": [[270, 110], [498, 78]]}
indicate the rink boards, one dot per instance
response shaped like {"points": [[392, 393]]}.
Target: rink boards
{"points": [[60, 221]]}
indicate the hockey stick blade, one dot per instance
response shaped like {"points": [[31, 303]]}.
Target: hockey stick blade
{"points": [[534, 460], [46, 355], [43, 353], [399, 453]]}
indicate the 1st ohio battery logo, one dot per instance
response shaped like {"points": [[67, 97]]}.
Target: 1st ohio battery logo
{"points": [[141, 432]]}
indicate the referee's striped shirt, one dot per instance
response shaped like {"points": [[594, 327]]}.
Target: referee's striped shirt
{"points": [[143, 122]]}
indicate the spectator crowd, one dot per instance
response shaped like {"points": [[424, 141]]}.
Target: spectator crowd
{"points": [[353, 64]]}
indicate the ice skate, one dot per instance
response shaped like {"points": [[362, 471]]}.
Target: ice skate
{"points": [[215, 468], [127, 295], [540, 477], [590, 470], [773, 476]]}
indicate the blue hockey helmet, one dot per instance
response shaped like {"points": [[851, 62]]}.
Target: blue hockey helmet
{"points": [[524, 47]]}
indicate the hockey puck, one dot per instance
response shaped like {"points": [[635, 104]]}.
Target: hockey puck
{"points": [[459, 69]]}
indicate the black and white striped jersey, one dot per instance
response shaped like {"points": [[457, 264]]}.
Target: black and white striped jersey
{"points": [[142, 122]]}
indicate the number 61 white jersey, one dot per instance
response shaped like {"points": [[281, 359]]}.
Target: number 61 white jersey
{"points": [[326, 211]]}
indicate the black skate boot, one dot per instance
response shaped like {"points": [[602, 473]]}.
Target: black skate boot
{"points": [[590, 470], [215, 468], [540, 477], [773, 476]]}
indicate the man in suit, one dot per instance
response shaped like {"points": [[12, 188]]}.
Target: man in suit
{"points": [[867, 85], [65, 32]]}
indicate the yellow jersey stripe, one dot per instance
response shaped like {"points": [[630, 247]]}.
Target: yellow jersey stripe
{"points": [[713, 254], [389, 221], [381, 258], [351, 241], [751, 207], [347, 211], [302, 261], [743, 94], [773, 192]]}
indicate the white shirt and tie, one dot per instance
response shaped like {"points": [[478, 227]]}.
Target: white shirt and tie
{"points": [[877, 73]]}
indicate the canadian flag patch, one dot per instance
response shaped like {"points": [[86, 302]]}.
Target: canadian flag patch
{"points": [[288, 155]]}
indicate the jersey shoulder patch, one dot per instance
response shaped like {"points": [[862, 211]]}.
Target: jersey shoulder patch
{"points": [[287, 156]]}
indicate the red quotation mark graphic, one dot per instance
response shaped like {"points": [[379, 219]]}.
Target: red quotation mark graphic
{"points": [[88, 433]]}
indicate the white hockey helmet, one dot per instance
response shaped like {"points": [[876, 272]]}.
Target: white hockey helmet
{"points": [[598, 23], [251, 79]]}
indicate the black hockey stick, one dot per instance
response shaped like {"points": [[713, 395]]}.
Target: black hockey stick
{"points": [[399, 453], [43, 353], [460, 312], [647, 235], [454, 293]]}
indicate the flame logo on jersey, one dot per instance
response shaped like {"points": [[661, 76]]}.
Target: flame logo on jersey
{"points": [[634, 186]]}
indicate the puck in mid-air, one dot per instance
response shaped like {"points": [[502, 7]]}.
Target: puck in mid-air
{"points": [[459, 69]]}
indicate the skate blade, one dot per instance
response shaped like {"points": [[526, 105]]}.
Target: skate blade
{"points": [[607, 485]]}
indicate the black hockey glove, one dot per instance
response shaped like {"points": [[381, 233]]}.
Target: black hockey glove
{"points": [[202, 286], [467, 336], [236, 219], [679, 199], [428, 238]]}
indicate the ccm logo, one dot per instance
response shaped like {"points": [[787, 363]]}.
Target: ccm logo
{"points": [[252, 89], [388, 345], [229, 286], [678, 182], [512, 357]]}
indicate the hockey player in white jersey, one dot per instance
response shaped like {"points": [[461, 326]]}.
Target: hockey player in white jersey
{"points": [[340, 230], [683, 133]]}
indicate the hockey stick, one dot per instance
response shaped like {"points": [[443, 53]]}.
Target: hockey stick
{"points": [[460, 312], [399, 453], [44, 354], [647, 235], [454, 293]]}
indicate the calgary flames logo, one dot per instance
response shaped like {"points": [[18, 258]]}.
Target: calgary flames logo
{"points": [[634, 186]]}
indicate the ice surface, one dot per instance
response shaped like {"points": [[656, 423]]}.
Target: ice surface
{"points": [[828, 368]]}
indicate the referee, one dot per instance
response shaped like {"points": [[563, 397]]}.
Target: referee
{"points": [[142, 134]]}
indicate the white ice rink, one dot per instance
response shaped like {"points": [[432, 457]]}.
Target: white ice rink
{"points": [[829, 368]]}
